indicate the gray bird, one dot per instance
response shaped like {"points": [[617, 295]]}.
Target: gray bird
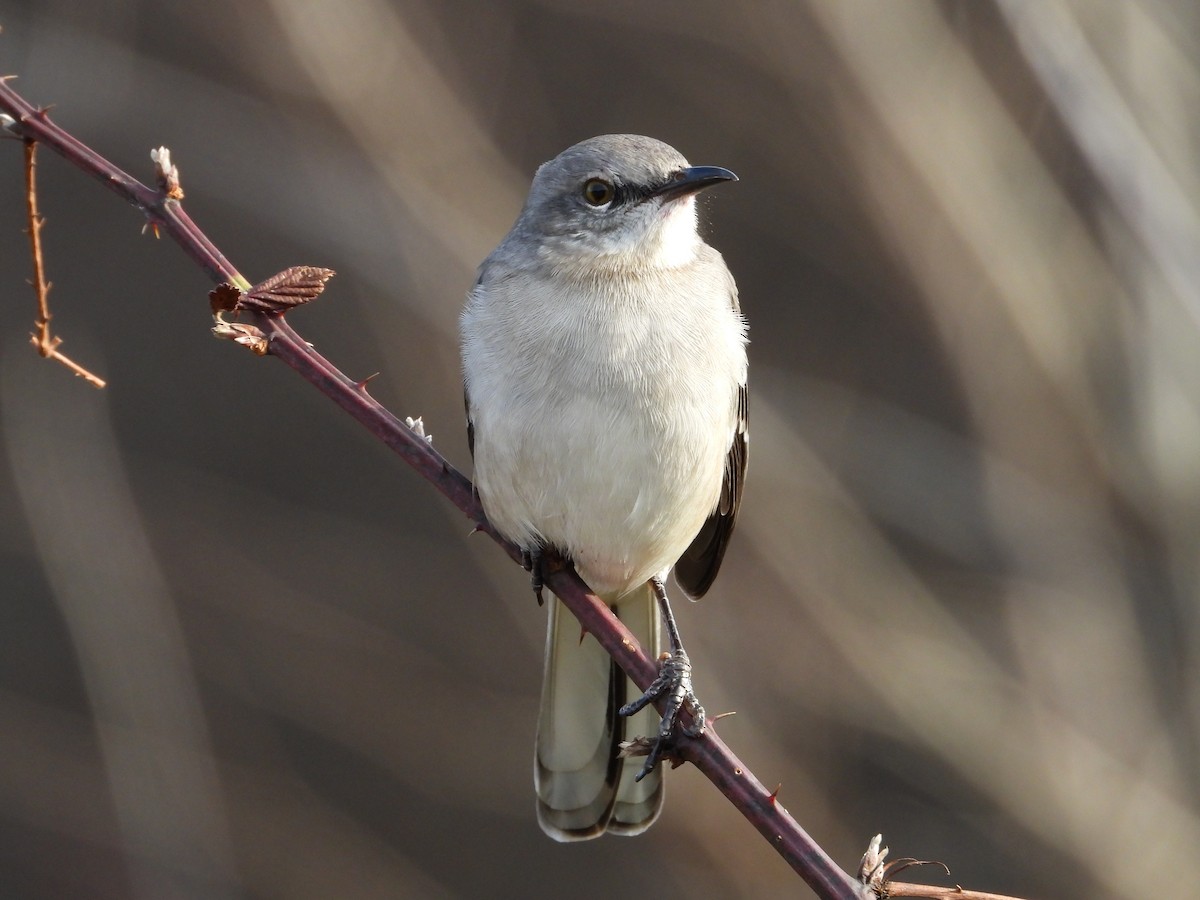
{"points": [[605, 368]]}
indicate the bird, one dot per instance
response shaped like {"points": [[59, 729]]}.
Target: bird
{"points": [[604, 367]]}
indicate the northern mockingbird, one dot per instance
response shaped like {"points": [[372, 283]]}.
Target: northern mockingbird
{"points": [[605, 367]]}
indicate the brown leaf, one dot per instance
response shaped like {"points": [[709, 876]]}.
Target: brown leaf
{"points": [[291, 287], [225, 298], [246, 335]]}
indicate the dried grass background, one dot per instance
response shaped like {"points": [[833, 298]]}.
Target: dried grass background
{"points": [[244, 653]]}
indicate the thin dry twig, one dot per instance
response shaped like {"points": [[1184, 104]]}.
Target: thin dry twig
{"points": [[272, 335], [43, 341], [905, 889], [876, 874]]}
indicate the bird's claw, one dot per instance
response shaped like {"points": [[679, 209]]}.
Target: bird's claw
{"points": [[532, 561], [674, 682]]}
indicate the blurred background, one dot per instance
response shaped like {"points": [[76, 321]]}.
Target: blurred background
{"points": [[244, 653]]}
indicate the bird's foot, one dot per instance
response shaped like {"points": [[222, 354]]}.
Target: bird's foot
{"points": [[532, 561], [674, 682]]}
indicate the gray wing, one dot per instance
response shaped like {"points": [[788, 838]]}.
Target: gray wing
{"points": [[698, 566], [466, 394], [470, 424]]}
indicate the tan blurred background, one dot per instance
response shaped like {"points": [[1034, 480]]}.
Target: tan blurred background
{"points": [[244, 653]]}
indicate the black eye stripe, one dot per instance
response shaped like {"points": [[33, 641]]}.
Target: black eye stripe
{"points": [[621, 193], [634, 193]]}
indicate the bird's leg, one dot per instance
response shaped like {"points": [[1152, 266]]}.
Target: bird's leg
{"points": [[532, 561], [674, 682]]}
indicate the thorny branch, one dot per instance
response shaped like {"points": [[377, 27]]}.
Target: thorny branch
{"points": [[272, 335], [46, 344]]}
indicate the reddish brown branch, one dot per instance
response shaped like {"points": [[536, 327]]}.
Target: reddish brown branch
{"points": [[43, 341], [708, 753]]}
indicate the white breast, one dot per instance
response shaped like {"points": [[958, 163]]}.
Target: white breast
{"points": [[602, 415]]}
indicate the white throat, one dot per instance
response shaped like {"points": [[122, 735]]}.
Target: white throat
{"points": [[677, 236]]}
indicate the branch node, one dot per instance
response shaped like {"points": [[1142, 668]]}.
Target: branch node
{"points": [[43, 342], [871, 868], [245, 335], [225, 297], [166, 173], [417, 425], [644, 746]]}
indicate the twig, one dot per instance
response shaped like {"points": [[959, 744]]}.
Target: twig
{"points": [[876, 873], [708, 753], [905, 889], [46, 344]]}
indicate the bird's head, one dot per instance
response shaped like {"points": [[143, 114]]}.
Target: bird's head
{"points": [[615, 201]]}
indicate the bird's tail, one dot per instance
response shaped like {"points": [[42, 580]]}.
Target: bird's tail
{"points": [[583, 790]]}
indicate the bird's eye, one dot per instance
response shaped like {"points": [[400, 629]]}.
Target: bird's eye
{"points": [[598, 192]]}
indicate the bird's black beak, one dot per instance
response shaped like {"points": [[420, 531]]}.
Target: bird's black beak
{"points": [[692, 179]]}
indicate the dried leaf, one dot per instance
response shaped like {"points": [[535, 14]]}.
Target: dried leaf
{"points": [[637, 746], [246, 335], [291, 287], [896, 866], [225, 298], [871, 869]]}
